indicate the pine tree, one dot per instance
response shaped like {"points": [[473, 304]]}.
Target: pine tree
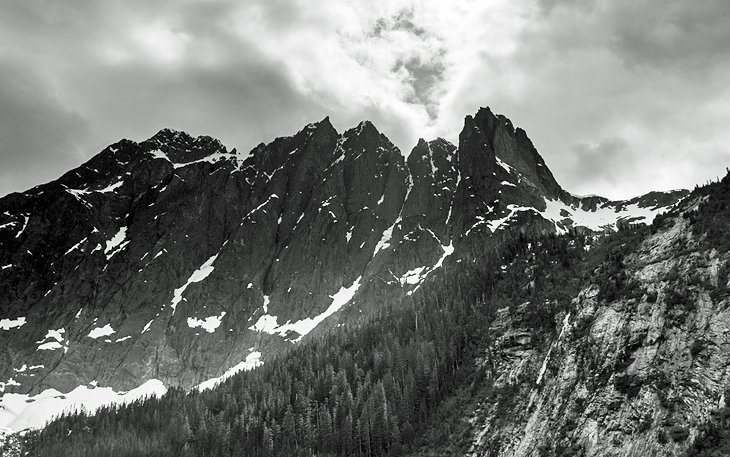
{"points": [[324, 429], [289, 438], [365, 443], [267, 440], [378, 408]]}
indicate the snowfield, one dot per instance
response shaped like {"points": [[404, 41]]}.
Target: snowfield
{"points": [[22, 411]]}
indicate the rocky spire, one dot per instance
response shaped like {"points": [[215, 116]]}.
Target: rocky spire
{"points": [[513, 150]]}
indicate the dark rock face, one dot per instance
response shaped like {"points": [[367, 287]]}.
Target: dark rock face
{"points": [[175, 258]]}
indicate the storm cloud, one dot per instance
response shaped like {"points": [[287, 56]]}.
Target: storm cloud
{"points": [[620, 97]]}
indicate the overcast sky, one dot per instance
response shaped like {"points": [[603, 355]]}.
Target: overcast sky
{"points": [[620, 97]]}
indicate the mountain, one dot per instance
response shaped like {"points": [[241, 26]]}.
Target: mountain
{"points": [[551, 345], [175, 262]]}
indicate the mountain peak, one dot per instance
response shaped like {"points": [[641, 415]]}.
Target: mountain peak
{"points": [[167, 135], [444, 144], [511, 148], [367, 137], [180, 146], [324, 123], [366, 128]]}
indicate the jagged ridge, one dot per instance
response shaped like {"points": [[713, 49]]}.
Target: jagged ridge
{"points": [[175, 259]]}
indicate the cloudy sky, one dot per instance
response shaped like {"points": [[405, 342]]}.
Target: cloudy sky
{"points": [[620, 96]]}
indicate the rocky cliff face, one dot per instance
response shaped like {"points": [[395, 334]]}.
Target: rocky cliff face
{"points": [[178, 260], [639, 362]]}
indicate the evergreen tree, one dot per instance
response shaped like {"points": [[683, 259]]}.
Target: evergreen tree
{"points": [[267, 440]]}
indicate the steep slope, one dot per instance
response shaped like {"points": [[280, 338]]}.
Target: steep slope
{"points": [[638, 363], [176, 260]]}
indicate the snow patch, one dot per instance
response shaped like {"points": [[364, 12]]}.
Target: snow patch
{"points": [[265, 324], [212, 158], [7, 324], [77, 193], [508, 168], [412, 276], [3, 385], [252, 361], [384, 242], [268, 323], [210, 324], [112, 187], [56, 335], [496, 224], [101, 331], [25, 224], [259, 207], [147, 325], [416, 276], [157, 154], [75, 246], [198, 275], [50, 346], [116, 243]]}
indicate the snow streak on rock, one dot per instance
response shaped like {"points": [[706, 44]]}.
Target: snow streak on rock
{"points": [[268, 323], [197, 276], [252, 361], [116, 243]]}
